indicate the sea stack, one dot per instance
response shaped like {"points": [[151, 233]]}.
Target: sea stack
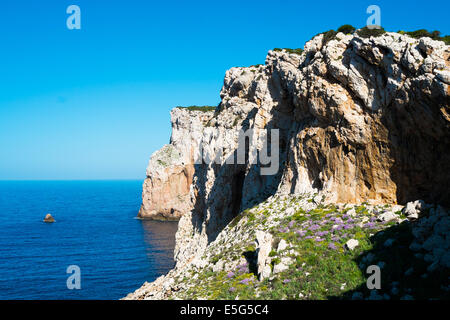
{"points": [[48, 218]]}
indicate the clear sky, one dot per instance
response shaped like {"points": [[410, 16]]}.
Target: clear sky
{"points": [[94, 103]]}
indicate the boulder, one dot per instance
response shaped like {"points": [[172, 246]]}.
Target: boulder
{"points": [[48, 218], [264, 246], [412, 209], [351, 244]]}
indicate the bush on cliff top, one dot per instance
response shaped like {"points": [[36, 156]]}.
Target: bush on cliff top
{"points": [[198, 108], [346, 28], [295, 51], [367, 33], [435, 35]]}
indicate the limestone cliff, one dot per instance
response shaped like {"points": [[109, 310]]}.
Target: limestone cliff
{"points": [[360, 120], [166, 189]]}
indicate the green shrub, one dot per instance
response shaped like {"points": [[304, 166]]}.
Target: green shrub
{"points": [[298, 51], [367, 33], [435, 35], [328, 36], [198, 108], [446, 39], [346, 28]]}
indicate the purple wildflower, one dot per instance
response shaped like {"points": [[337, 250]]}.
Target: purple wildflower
{"points": [[291, 224], [283, 230], [322, 233], [319, 239], [242, 268], [232, 289], [245, 281], [286, 281], [230, 274], [301, 233], [332, 246]]}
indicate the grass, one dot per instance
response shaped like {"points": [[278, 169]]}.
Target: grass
{"points": [[323, 269]]}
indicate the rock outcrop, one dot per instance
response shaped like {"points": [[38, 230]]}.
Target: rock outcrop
{"points": [[49, 218], [359, 120], [170, 171]]}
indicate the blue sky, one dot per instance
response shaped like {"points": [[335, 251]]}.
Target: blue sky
{"points": [[94, 103]]}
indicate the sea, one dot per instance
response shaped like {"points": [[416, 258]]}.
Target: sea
{"points": [[96, 249]]}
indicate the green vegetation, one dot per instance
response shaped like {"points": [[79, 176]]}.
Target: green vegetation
{"points": [[162, 163], [367, 33], [298, 51], [346, 28], [321, 267], [435, 35], [198, 108]]}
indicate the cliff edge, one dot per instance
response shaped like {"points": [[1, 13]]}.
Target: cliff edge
{"points": [[361, 120]]}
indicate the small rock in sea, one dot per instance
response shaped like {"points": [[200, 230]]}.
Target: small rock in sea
{"points": [[48, 218]]}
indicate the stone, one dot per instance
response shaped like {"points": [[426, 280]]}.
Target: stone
{"points": [[351, 244], [282, 245], [412, 210], [387, 216], [352, 212], [48, 218], [264, 247], [280, 267], [290, 211]]}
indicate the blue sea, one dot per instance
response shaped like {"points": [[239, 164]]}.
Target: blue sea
{"points": [[96, 229]]}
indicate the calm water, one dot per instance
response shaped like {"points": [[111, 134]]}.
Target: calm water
{"points": [[95, 229]]}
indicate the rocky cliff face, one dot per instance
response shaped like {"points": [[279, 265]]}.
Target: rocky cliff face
{"points": [[170, 171], [360, 119]]}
